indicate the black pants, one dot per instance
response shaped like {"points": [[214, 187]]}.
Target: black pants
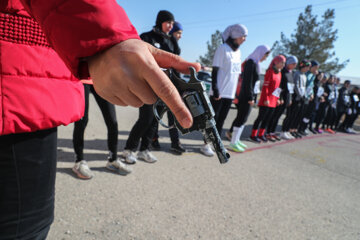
{"points": [[142, 130], [330, 118], [173, 132], [349, 119], [309, 111], [221, 109], [314, 113], [27, 184], [243, 112], [297, 112], [287, 120], [109, 114], [340, 112], [353, 118], [263, 118], [347, 123], [279, 110], [321, 113]]}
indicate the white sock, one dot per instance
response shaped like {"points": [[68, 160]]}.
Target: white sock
{"points": [[237, 131]]}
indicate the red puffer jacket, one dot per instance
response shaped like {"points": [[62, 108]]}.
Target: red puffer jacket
{"points": [[37, 89], [270, 90]]}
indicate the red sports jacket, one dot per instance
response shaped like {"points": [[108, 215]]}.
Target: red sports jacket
{"points": [[271, 83], [42, 43]]}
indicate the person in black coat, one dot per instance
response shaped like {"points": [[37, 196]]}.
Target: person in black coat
{"points": [[351, 113], [146, 125], [330, 89], [343, 102]]}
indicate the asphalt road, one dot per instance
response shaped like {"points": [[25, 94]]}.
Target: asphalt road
{"points": [[303, 189]]}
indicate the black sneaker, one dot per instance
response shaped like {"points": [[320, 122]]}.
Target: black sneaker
{"points": [[297, 135], [263, 138], [302, 133], [177, 148], [155, 145], [270, 138], [276, 137], [255, 139], [313, 131]]}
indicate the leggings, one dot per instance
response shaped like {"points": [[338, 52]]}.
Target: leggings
{"points": [[309, 110], [287, 121], [173, 132], [340, 113], [350, 119], [353, 118], [297, 113], [243, 112], [330, 117], [143, 129], [320, 114], [108, 112], [279, 110], [27, 184], [263, 118], [221, 109]]}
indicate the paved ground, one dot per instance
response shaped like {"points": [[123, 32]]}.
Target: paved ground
{"points": [[304, 189]]}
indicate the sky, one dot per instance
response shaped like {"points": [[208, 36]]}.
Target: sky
{"points": [[265, 21]]}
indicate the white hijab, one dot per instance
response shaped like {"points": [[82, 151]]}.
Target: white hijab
{"points": [[234, 31], [258, 54]]}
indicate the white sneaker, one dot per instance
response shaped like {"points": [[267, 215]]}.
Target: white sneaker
{"points": [[82, 170], [351, 130], [289, 135], [146, 156], [118, 166], [206, 150], [129, 156], [285, 135]]}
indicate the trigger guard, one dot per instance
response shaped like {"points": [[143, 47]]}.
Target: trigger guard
{"points": [[160, 116]]}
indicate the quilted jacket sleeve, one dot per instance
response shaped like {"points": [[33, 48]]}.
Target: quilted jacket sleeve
{"points": [[81, 28]]}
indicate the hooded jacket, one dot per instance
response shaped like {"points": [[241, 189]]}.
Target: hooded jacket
{"points": [[270, 90], [42, 44], [343, 101], [161, 40]]}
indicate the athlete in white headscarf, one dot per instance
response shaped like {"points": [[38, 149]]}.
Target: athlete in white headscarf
{"points": [[258, 54], [225, 74], [234, 31], [247, 95]]}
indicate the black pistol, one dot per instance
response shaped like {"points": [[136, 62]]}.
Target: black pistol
{"points": [[195, 98]]}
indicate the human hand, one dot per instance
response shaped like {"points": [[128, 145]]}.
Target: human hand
{"points": [[129, 74], [266, 103], [216, 94], [251, 103]]}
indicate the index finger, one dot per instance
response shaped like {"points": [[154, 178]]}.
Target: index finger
{"points": [[168, 60], [166, 91]]}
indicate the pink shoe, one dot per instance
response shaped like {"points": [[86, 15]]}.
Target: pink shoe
{"points": [[319, 130]]}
